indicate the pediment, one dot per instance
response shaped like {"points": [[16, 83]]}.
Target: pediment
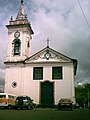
{"points": [[47, 55]]}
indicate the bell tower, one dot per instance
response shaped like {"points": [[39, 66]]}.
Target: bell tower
{"points": [[19, 36]]}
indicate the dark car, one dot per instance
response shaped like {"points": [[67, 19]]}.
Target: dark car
{"points": [[65, 103], [24, 102]]}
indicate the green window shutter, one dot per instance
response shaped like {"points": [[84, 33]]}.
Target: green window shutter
{"points": [[38, 73], [56, 72]]}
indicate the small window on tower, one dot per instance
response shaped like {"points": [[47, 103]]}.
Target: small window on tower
{"points": [[28, 44], [16, 45]]}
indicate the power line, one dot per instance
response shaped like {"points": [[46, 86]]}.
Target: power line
{"points": [[83, 13], [83, 76]]}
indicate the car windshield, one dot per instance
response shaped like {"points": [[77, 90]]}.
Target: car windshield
{"points": [[21, 98]]}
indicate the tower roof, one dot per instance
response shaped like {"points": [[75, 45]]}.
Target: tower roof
{"points": [[21, 13], [21, 19]]}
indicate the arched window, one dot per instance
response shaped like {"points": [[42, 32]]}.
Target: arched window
{"points": [[16, 46]]}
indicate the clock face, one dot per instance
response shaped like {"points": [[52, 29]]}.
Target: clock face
{"points": [[47, 55], [17, 34]]}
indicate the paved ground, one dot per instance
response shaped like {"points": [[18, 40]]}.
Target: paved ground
{"points": [[45, 114]]}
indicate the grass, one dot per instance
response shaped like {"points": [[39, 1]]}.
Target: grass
{"points": [[82, 114]]}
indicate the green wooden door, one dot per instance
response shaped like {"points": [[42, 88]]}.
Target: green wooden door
{"points": [[47, 95]]}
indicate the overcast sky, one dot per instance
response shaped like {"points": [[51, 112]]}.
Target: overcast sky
{"points": [[62, 21]]}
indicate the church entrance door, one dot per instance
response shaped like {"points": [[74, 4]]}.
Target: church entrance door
{"points": [[47, 94]]}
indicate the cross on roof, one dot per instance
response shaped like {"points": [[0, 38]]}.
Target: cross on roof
{"points": [[48, 41]]}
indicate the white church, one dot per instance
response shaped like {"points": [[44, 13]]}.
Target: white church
{"points": [[46, 76]]}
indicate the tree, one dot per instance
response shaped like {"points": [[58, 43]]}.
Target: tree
{"points": [[82, 94]]}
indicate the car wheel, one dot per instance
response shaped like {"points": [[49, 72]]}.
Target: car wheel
{"points": [[9, 107], [32, 107], [28, 107]]}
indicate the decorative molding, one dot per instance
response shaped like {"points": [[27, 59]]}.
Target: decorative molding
{"points": [[17, 34], [14, 84], [61, 58], [9, 33]]}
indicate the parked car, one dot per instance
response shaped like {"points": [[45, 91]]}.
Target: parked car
{"points": [[7, 100], [23, 102], [65, 103]]}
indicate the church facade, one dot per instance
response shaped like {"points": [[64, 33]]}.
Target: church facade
{"points": [[46, 76]]}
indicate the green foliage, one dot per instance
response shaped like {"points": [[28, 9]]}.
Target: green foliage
{"points": [[83, 95]]}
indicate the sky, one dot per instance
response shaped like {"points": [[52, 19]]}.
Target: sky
{"points": [[62, 21]]}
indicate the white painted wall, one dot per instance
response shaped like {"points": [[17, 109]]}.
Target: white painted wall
{"points": [[25, 36], [23, 75]]}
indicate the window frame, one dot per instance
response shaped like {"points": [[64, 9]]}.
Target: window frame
{"points": [[58, 76], [35, 74]]}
